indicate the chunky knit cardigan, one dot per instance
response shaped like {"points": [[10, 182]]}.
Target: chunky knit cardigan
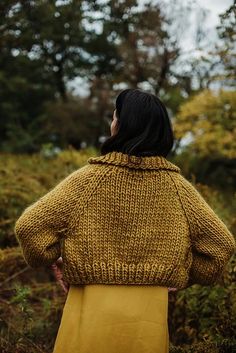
{"points": [[124, 219]]}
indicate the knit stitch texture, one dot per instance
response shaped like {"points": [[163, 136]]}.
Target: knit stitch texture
{"points": [[123, 219]]}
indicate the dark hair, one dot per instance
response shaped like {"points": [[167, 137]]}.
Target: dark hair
{"points": [[144, 127]]}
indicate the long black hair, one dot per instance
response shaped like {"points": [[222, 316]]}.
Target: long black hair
{"points": [[144, 126]]}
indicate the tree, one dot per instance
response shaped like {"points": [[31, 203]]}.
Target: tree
{"points": [[51, 32], [40, 51], [143, 43], [226, 50], [208, 121], [112, 44], [132, 49]]}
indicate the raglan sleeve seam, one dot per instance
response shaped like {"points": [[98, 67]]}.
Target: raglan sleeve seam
{"points": [[181, 201], [79, 208]]}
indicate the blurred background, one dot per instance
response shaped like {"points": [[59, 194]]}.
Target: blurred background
{"points": [[62, 65]]}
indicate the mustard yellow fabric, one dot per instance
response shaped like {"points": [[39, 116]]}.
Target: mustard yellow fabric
{"points": [[103, 318], [124, 219]]}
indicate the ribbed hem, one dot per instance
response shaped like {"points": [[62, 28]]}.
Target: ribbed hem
{"points": [[121, 273], [131, 161]]}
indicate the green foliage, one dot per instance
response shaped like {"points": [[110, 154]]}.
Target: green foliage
{"points": [[205, 312], [73, 121], [210, 120], [216, 172], [205, 347], [24, 90], [40, 44], [31, 304]]}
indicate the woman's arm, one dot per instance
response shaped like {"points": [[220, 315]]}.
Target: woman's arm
{"points": [[42, 225], [212, 242]]}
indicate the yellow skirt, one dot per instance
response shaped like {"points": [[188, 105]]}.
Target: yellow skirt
{"points": [[102, 318]]}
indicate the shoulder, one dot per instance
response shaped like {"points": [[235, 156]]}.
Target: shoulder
{"points": [[85, 175], [84, 172], [188, 192], [183, 183], [193, 199]]}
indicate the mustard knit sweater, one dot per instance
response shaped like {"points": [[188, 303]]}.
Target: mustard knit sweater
{"points": [[126, 221]]}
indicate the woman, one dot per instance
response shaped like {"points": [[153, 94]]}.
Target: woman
{"points": [[127, 227]]}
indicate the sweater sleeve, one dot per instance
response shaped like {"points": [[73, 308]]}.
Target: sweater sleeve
{"points": [[212, 242], [41, 226]]}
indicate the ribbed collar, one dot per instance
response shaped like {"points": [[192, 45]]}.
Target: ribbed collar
{"points": [[144, 162]]}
